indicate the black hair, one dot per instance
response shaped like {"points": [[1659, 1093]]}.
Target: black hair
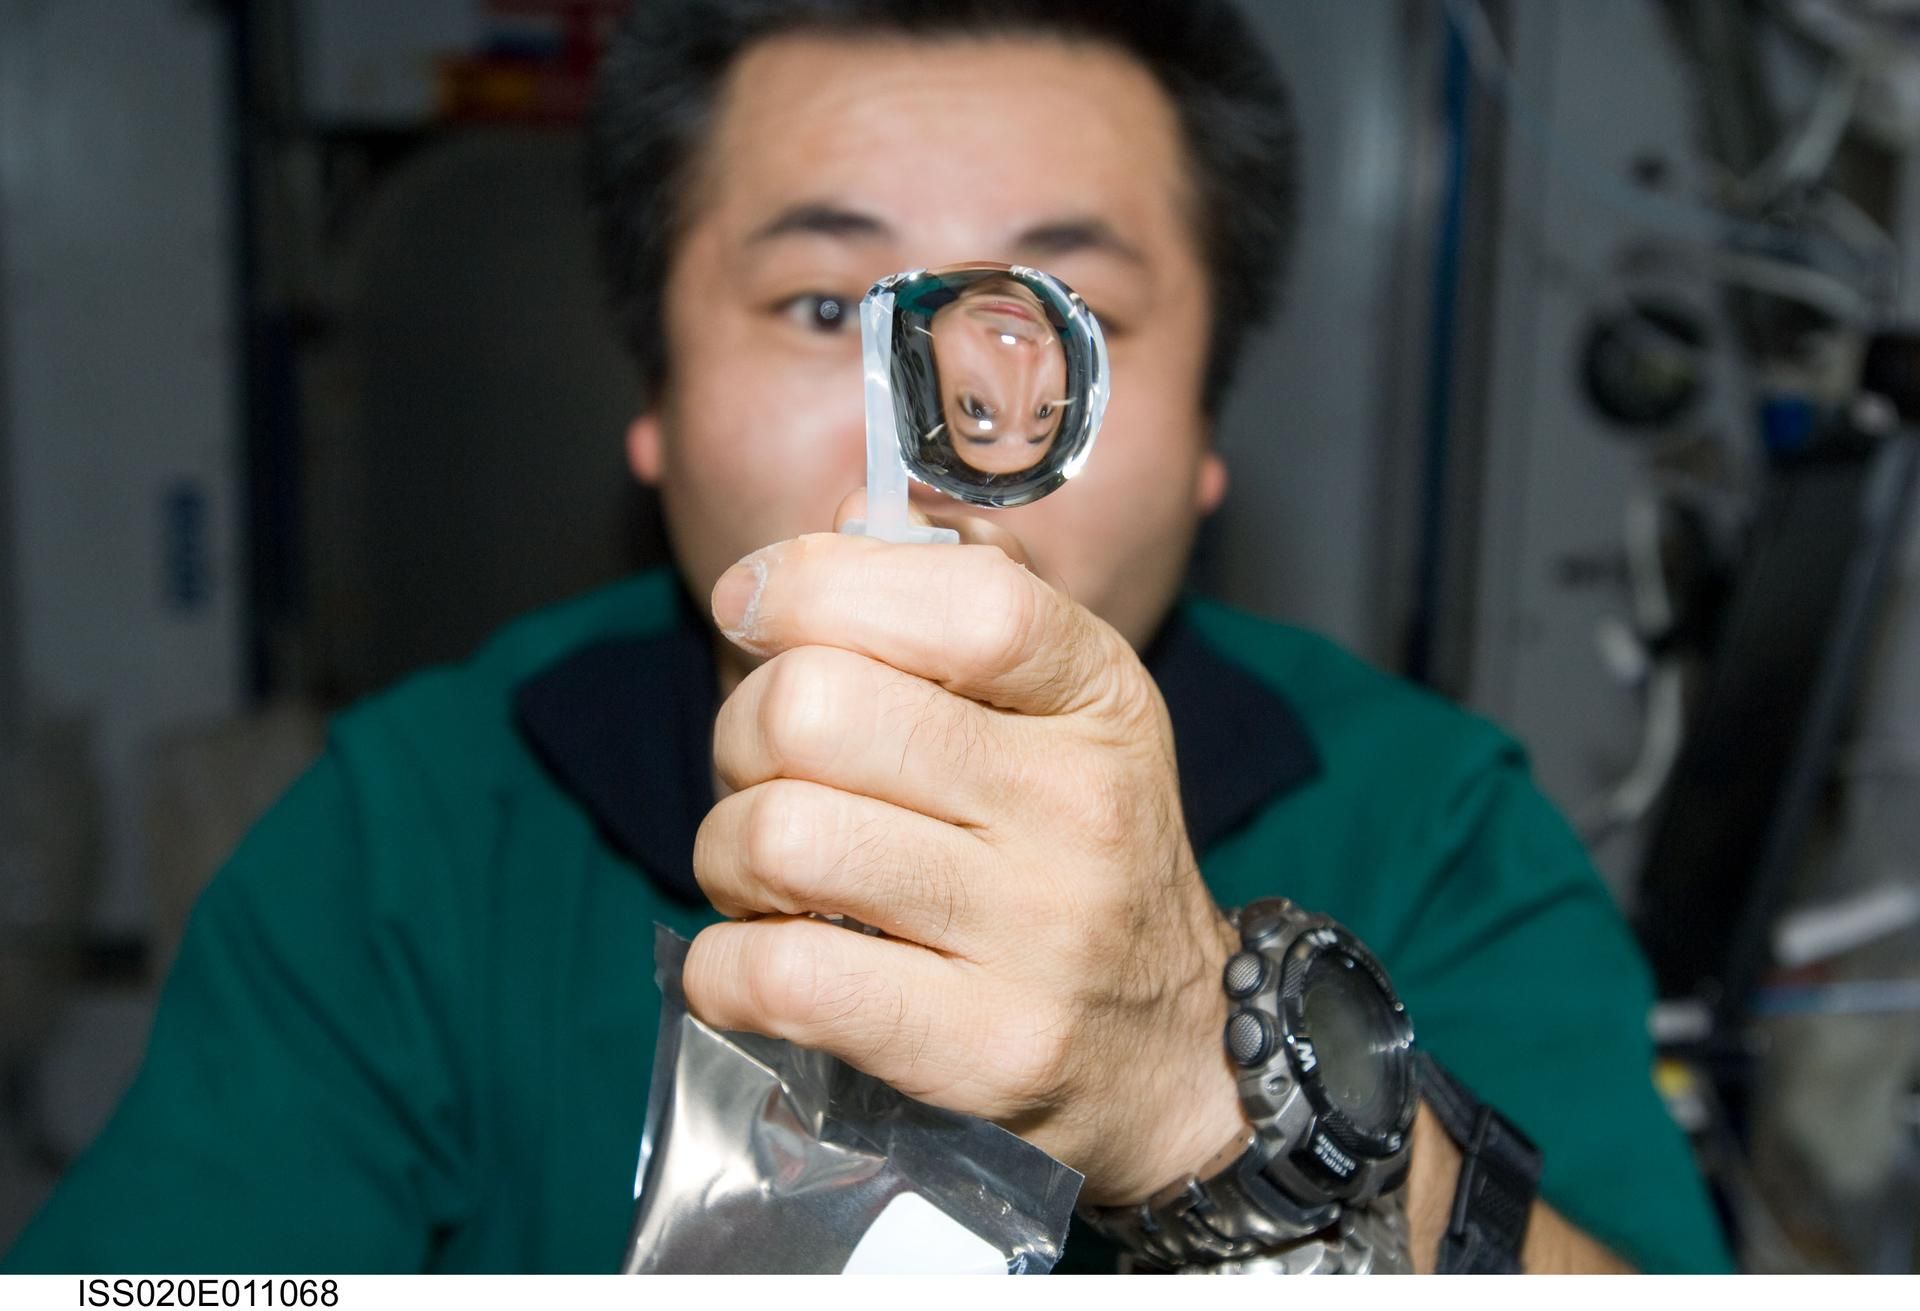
{"points": [[669, 60]]}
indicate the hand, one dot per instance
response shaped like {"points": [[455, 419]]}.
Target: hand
{"points": [[944, 746]]}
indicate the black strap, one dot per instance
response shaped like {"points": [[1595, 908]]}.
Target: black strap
{"points": [[1499, 1176]]}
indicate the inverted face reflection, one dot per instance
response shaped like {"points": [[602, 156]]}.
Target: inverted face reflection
{"points": [[999, 379], [1003, 376]]}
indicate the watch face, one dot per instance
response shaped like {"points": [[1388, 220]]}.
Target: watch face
{"points": [[1358, 1043]]}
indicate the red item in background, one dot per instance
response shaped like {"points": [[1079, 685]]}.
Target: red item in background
{"points": [[547, 79]]}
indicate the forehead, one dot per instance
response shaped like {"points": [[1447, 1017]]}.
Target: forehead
{"points": [[955, 144]]}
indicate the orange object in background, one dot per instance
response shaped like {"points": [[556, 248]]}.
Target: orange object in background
{"points": [[537, 66]]}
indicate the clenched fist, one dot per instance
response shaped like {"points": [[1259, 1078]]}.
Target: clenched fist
{"points": [[943, 746]]}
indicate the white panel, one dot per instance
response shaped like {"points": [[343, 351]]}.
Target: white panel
{"points": [[120, 379], [1599, 87], [1300, 534], [373, 61]]}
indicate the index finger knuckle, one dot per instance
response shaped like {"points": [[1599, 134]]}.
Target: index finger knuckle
{"points": [[997, 612]]}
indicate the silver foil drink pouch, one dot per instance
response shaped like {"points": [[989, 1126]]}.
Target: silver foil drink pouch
{"points": [[760, 1157]]}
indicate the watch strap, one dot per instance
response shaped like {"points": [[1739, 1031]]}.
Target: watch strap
{"points": [[1233, 1215], [1499, 1178], [1369, 1240]]}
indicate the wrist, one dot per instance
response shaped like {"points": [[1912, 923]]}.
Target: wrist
{"points": [[1433, 1173], [1195, 1125], [1319, 1186]]}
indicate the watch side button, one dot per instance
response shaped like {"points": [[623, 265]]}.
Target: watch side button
{"points": [[1249, 1037], [1245, 974]]}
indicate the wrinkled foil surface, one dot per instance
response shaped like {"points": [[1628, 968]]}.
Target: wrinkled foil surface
{"points": [[762, 1157]]}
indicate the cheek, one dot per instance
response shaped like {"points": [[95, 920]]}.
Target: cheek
{"points": [[1135, 496], [763, 444], [1151, 442], [1138, 488], [1118, 534]]}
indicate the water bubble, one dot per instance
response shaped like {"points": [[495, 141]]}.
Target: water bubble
{"points": [[998, 377]]}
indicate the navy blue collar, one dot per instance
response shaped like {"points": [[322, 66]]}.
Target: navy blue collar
{"points": [[625, 727]]}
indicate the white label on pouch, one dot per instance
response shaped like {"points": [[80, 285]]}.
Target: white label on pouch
{"points": [[915, 1237]]}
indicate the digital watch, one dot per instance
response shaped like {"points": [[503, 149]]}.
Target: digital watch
{"points": [[1330, 1083]]}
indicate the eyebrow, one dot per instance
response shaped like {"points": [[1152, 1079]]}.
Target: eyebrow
{"points": [[1074, 236], [1061, 237], [820, 220]]}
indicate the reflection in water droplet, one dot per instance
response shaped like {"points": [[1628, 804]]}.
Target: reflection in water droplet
{"points": [[997, 362], [999, 380]]}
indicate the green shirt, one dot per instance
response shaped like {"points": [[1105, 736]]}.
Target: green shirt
{"points": [[412, 1021]]}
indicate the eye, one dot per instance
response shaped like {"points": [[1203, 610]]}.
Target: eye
{"points": [[975, 408], [1045, 411], [820, 312]]}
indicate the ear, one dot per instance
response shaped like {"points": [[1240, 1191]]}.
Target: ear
{"points": [[1210, 488], [644, 449]]}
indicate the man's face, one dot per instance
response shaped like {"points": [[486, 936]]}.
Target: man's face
{"points": [[834, 162]]}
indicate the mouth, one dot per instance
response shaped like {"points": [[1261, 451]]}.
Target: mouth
{"points": [[1009, 308]]}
